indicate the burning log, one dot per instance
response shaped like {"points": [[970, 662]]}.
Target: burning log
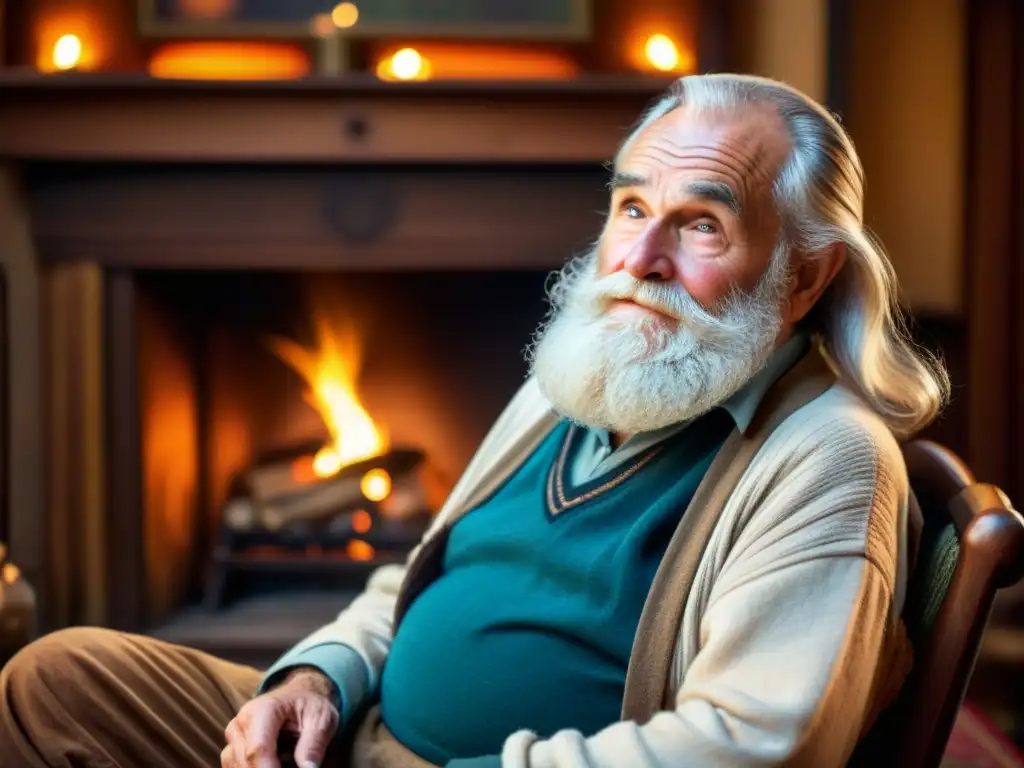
{"points": [[281, 521], [323, 508], [277, 493]]}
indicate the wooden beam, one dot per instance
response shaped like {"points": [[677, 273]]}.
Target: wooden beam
{"points": [[102, 117], [323, 218], [75, 448]]}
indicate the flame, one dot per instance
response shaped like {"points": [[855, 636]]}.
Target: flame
{"points": [[330, 370]]}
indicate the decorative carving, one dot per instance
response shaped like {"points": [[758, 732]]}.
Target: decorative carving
{"points": [[356, 128], [360, 208]]}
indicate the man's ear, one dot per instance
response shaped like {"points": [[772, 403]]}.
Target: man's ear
{"points": [[812, 276]]}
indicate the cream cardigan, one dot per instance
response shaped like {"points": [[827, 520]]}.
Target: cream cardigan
{"points": [[786, 632]]}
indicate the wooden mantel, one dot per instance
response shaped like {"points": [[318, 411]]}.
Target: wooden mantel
{"points": [[128, 118]]}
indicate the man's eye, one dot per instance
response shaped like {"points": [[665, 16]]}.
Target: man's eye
{"points": [[707, 228], [633, 211]]}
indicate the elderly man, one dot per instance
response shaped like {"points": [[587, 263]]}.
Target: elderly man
{"points": [[682, 544]]}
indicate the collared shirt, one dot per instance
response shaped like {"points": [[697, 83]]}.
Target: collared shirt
{"points": [[596, 455]]}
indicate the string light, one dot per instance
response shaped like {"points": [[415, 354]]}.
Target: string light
{"points": [[345, 15]]}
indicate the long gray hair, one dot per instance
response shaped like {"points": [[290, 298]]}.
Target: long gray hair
{"points": [[819, 193]]}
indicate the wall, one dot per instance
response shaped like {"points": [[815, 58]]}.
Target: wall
{"points": [[783, 39], [905, 89], [906, 114]]}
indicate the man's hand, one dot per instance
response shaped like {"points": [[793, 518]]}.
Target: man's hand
{"points": [[302, 704]]}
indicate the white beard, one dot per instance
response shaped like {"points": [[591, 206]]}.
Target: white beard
{"points": [[642, 374]]}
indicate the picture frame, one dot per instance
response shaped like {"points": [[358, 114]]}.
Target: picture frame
{"points": [[531, 20]]}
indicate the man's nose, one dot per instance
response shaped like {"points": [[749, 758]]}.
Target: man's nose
{"points": [[653, 256]]}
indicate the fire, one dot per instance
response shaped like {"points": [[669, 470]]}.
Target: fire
{"points": [[330, 370], [360, 550]]}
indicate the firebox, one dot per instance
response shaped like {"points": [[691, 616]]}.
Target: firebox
{"points": [[298, 429]]}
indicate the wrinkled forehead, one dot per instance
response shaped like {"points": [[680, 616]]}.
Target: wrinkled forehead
{"points": [[743, 147]]}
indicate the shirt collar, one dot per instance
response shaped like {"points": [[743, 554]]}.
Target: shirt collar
{"points": [[743, 405]]}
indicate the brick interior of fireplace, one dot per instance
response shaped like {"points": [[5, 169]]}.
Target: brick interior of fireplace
{"points": [[443, 353]]}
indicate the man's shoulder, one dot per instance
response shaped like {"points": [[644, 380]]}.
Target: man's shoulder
{"points": [[842, 441], [839, 419], [833, 471]]}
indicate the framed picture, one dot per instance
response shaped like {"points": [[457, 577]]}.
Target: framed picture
{"points": [[526, 20]]}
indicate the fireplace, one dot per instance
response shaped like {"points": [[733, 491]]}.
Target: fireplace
{"points": [[182, 274], [258, 517]]}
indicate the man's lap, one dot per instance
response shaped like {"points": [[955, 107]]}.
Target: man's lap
{"points": [[96, 696]]}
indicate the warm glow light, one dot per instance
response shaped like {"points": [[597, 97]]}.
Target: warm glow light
{"points": [[361, 521], [345, 15], [323, 25], [376, 485], [207, 9], [10, 573], [67, 52], [661, 52], [331, 370], [327, 462], [407, 64], [475, 61], [71, 36], [360, 550], [242, 60]]}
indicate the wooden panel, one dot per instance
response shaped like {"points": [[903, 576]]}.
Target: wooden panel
{"points": [[27, 521], [78, 552], [993, 242], [142, 119], [5, 432], [125, 567], [304, 219]]}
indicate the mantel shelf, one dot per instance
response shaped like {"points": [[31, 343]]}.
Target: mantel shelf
{"points": [[16, 83], [134, 118]]}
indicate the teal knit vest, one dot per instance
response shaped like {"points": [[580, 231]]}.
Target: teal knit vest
{"points": [[531, 624]]}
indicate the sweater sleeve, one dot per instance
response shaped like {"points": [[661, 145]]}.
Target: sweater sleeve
{"points": [[351, 650], [791, 640]]}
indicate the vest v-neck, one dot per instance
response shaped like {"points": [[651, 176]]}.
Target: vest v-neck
{"points": [[561, 494]]}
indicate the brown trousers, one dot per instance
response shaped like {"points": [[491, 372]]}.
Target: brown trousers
{"points": [[93, 698]]}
